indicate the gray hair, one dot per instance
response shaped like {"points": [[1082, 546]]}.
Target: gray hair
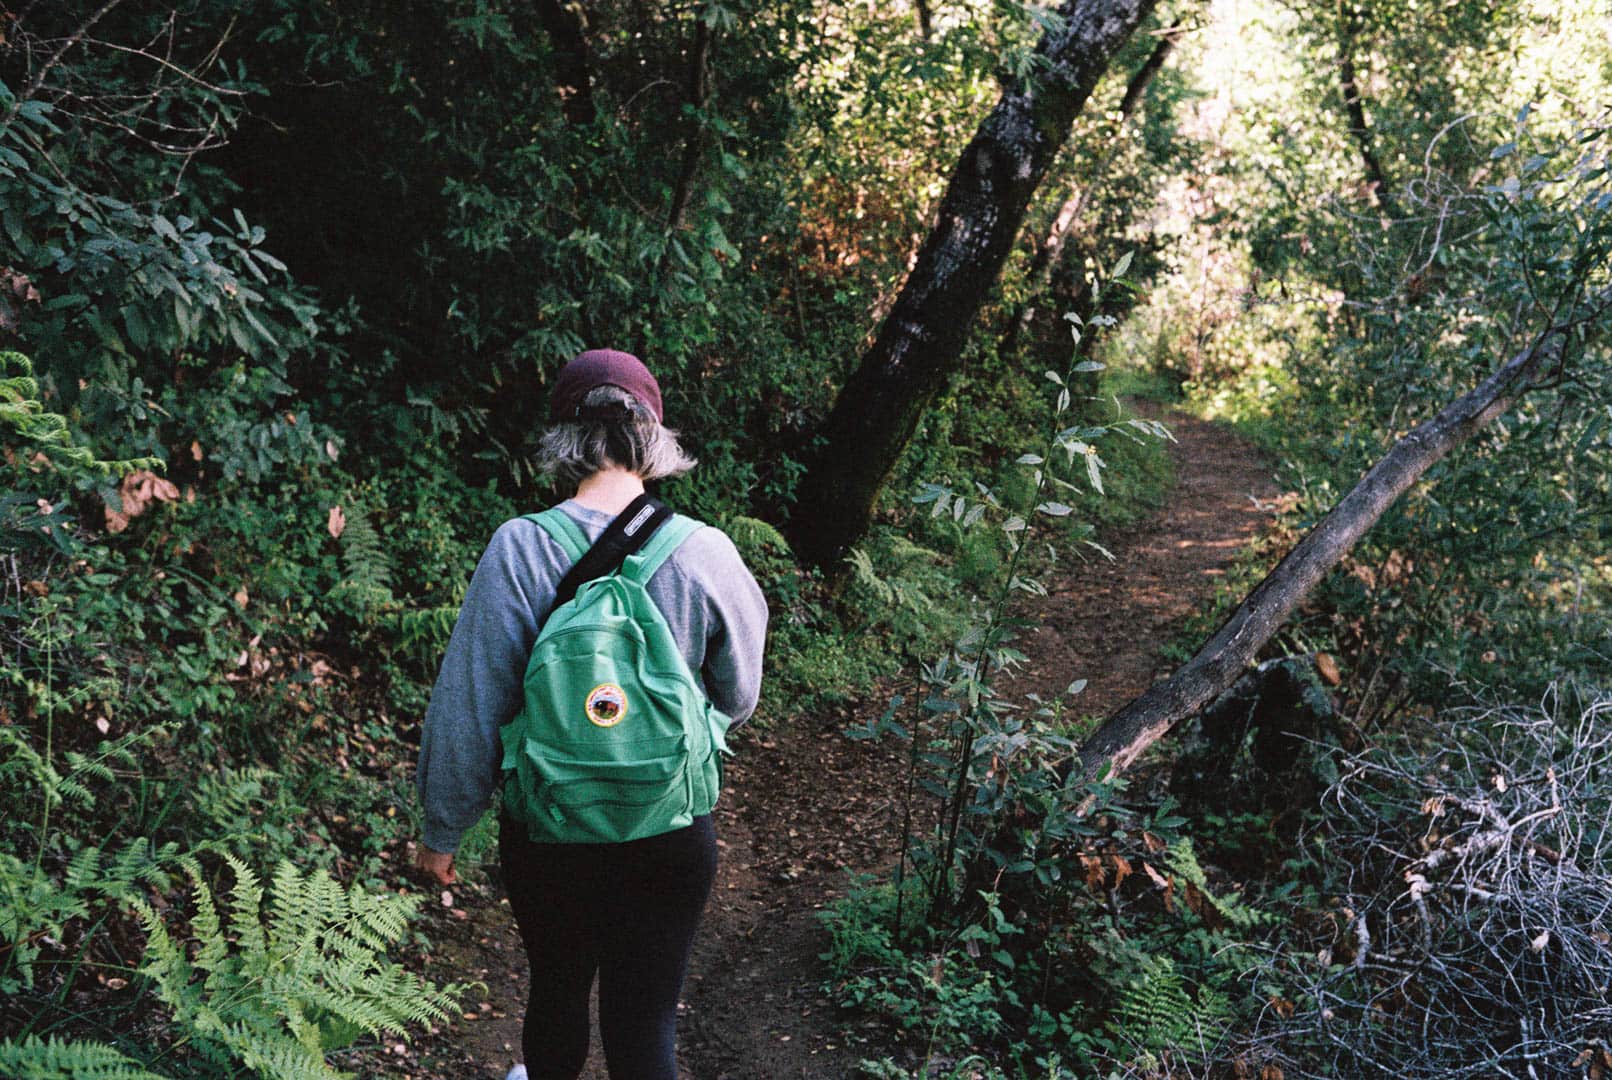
{"points": [[573, 450]]}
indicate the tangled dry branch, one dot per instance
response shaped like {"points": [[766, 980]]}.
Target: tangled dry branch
{"points": [[1477, 904]]}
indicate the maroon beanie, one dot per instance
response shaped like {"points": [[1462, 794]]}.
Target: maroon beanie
{"points": [[603, 367]]}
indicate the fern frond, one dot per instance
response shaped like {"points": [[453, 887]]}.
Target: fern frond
{"points": [[208, 930], [863, 574], [225, 798], [1155, 1010], [1181, 858], [83, 869], [23, 413], [290, 977], [425, 631], [279, 1058], [367, 584], [905, 551], [245, 912], [753, 537], [33, 1058]]}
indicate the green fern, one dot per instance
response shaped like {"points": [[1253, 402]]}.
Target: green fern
{"points": [[1184, 861], [424, 632], [864, 575], [1155, 1010], [35, 902], [366, 587], [275, 987], [905, 587], [23, 415], [33, 1058], [32, 907], [224, 799], [1158, 1010], [26, 771]]}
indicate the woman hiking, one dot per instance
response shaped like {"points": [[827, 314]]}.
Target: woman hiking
{"points": [[585, 900]]}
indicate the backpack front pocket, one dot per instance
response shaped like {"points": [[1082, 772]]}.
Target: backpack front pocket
{"points": [[612, 792]]}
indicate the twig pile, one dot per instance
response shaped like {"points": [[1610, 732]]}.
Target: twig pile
{"points": [[1477, 904]]}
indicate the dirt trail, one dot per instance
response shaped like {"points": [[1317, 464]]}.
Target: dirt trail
{"points": [[1106, 621], [804, 807]]}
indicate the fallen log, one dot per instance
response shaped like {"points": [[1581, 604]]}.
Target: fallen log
{"points": [[1221, 660]]}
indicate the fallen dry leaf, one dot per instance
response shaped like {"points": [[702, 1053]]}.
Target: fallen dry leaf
{"points": [[137, 492], [1328, 667]]}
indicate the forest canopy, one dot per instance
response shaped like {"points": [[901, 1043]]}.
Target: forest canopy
{"points": [[283, 289]]}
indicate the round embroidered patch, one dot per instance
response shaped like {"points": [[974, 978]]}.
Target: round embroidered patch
{"points": [[607, 704]]}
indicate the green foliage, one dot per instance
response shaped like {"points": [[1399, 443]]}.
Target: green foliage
{"points": [[937, 991], [366, 584], [1156, 1010], [1012, 975], [33, 1058], [274, 988], [1113, 982], [36, 906], [26, 419], [1491, 571], [1181, 858]]}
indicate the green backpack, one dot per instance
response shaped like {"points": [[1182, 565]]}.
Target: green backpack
{"points": [[616, 740]]}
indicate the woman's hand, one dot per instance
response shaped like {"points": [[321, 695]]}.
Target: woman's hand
{"points": [[436, 863]]}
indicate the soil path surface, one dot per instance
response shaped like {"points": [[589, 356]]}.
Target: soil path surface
{"points": [[804, 807]]}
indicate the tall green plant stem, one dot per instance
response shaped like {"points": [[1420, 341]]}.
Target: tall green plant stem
{"points": [[942, 900], [50, 735]]}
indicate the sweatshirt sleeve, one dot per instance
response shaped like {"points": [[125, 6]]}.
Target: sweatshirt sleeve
{"points": [[737, 623], [479, 688]]}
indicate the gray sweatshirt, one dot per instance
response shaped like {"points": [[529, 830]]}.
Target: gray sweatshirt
{"points": [[714, 608]]}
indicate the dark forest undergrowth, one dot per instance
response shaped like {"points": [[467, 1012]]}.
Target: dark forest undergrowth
{"points": [[283, 286]]}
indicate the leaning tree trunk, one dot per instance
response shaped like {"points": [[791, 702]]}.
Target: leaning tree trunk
{"points": [[879, 406], [1136, 726], [1050, 247]]}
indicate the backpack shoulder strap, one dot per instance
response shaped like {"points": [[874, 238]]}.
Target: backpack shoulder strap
{"points": [[628, 532], [640, 567], [562, 530]]}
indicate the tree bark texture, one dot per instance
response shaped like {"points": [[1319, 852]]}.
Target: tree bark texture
{"points": [[1354, 107], [695, 96], [566, 23], [1137, 725], [1051, 245], [979, 218]]}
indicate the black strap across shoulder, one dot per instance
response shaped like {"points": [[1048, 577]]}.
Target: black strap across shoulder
{"points": [[623, 536]]}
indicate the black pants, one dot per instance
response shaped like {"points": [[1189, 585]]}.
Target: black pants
{"points": [[627, 911]]}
